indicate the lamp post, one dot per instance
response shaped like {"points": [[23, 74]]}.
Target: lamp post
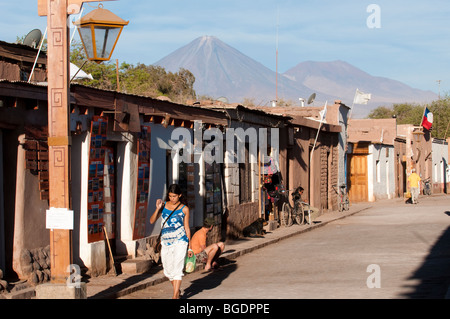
{"points": [[419, 149], [59, 139]]}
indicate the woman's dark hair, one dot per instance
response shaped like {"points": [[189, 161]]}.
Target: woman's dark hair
{"points": [[299, 189], [176, 189]]}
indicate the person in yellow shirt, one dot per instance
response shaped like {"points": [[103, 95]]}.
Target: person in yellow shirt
{"points": [[414, 186], [206, 254]]}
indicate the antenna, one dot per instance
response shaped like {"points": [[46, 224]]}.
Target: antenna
{"points": [[276, 79], [302, 101], [439, 84], [311, 98], [33, 38]]}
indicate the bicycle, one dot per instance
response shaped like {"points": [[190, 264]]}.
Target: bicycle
{"points": [[296, 213], [344, 202], [427, 186]]}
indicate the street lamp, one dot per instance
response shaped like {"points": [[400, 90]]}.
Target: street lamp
{"points": [[417, 134], [99, 31]]}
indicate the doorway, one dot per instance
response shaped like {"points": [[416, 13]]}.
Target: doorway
{"points": [[358, 178]]}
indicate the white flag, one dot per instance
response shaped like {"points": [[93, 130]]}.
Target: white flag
{"points": [[323, 113], [361, 98]]}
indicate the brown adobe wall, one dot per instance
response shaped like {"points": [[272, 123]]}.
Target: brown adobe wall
{"points": [[240, 216]]}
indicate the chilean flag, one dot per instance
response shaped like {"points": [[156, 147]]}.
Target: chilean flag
{"points": [[427, 121]]}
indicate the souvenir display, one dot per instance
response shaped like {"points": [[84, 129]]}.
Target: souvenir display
{"points": [[143, 180], [101, 202]]}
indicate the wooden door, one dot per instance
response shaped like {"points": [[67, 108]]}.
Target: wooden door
{"points": [[358, 181]]}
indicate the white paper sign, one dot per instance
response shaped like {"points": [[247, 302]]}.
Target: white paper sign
{"points": [[59, 218]]}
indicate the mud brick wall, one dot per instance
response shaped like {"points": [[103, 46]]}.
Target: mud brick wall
{"points": [[329, 176], [240, 216], [214, 236]]}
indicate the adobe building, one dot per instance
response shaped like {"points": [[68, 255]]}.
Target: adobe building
{"points": [[17, 61], [371, 159], [242, 179], [121, 164], [318, 169], [418, 150]]}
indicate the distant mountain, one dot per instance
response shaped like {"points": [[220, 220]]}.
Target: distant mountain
{"points": [[340, 79], [222, 71]]}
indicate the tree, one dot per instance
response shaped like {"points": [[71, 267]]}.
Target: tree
{"points": [[408, 113], [404, 112], [381, 112], [413, 114], [104, 74], [140, 79], [441, 117]]}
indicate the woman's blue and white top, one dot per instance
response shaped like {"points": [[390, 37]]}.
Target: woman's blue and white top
{"points": [[173, 231]]}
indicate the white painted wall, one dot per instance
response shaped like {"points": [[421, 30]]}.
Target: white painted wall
{"points": [[381, 176], [128, 163], [440, 162]]}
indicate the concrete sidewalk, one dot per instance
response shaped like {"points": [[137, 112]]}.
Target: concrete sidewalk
{"points": [[111, 286]]}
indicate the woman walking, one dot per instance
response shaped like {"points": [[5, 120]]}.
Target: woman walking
{"points": [[175, 235]]}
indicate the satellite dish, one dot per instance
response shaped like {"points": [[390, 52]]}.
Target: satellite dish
{"points": [[223, 100], [312, 98], [33, 38]]}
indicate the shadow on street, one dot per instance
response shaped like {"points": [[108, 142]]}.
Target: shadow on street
{"points": [[210, 281], [112, 292], [433, 274]]}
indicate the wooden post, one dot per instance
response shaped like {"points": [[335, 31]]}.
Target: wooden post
{"points": [[59, 133], [111, 256], [117, 75]]}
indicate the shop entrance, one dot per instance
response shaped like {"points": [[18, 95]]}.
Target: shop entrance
{"points": [[358, 179]]}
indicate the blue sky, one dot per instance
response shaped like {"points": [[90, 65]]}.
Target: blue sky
{"points": [[412, 44]]}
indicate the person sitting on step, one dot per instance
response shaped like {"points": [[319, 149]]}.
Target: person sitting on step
{"points": [[207, 255]]}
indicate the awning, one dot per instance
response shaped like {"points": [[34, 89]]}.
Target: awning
{"points": [[80, 75]]}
